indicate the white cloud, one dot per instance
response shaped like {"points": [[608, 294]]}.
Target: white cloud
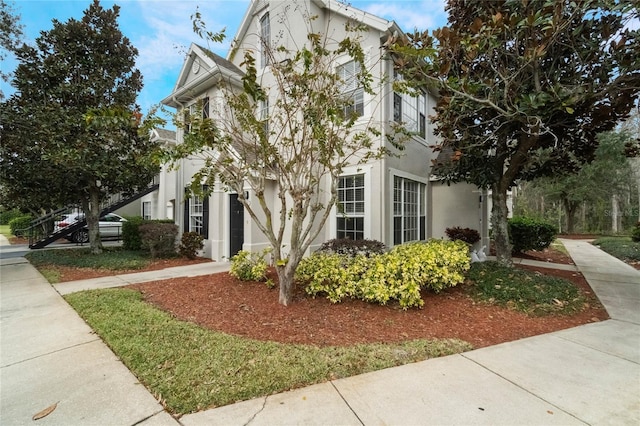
{"points": [[410, 14]]}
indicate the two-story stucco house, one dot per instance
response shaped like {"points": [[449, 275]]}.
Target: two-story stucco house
{"points": [[393, 199]]}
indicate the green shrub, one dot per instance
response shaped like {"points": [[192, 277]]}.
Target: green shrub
{"points": [[190, 243], [130, 234], [468, 235], [19, 223], [249, 266], [351, 247], [159, 238], [635, 233], [397, 275], [7, 215], [530, 234]]}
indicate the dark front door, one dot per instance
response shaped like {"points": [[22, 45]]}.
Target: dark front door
{"points": [[236, 223]]}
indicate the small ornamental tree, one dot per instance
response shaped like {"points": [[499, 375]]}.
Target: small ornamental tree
{"points": [[299, 145], [525, 87]]}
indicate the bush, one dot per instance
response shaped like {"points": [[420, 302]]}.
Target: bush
{"points": [[249, 266], [635, 233], [468, 235], [7, 215], [352, 248], [190, 243], [530, 234], [397, 275], [19, 223], [130, 233], [159, 238]]}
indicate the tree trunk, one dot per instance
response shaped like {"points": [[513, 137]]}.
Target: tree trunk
{"points": [[570, 212], [287, 285], [614, 213], [499, 215], [92, 214]]}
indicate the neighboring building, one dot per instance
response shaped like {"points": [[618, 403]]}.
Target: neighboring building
{"points": [[161, 204], [392, 200]]}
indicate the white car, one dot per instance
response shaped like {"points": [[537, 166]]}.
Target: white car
{"points": [[110, 227]]}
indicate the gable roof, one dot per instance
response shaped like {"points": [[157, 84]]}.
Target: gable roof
{"points": [[348, 11], [214, 68]]}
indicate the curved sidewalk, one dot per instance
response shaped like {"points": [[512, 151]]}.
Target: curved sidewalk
{"points": [[585, 375]]}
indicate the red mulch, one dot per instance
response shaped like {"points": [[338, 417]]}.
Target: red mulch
{"points": [[250, 309]]}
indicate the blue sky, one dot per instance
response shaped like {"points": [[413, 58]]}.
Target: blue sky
{"points": [[161, 30]]}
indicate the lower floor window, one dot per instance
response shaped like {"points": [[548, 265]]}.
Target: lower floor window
{"points": [[196, 209], [146, 210], [350, 220], [409, 210]]}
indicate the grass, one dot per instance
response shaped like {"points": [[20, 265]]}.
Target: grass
{"points": [[5, 230], [526, 291], [114, 259], [557, 245], [191, 368], [621, 247]]}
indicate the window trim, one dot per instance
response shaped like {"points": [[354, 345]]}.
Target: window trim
{"points": [[351, 89], [362, 216], [421, 208], [265, 39]]}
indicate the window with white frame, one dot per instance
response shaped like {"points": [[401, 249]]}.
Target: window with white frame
{"points": [[351, 88], [409, 210], [146, 210], [410, 111], [196, 210], [263, 115], [265, 40], [350, 217], [201, 106]]}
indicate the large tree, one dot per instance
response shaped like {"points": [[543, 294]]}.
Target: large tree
{"points": [[10, 35], [70, 133], [288, 141], [525, 87]]}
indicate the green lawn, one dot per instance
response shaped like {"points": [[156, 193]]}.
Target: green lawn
{"points": [[5, 230], [192, 368], [621, 247]]}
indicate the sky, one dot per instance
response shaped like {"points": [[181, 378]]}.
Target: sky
{"points": [[162, 31]]}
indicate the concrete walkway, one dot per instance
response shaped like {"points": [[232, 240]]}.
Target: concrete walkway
{"points": [[585, 375]]}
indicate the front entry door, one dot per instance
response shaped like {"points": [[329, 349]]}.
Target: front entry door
{"points": [[236, 223]]}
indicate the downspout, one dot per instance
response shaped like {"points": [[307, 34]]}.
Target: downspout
{"points": [[178, 210]]}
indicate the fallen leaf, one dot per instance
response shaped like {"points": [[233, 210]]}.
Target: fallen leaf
{"points": [[45, 412]]}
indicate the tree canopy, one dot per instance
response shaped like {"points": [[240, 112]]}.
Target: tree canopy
{"points": [[10, 35], [70, 132], [525, 87]]}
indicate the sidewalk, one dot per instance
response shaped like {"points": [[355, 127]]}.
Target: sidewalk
{"points": [[585, 375]]}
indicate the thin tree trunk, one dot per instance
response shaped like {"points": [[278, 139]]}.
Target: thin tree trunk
{"points": [[287, 284], [92, 215], [499, 215], [614, 213]]}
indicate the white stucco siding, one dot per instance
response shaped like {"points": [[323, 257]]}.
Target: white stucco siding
{"points": [[457, 205]]}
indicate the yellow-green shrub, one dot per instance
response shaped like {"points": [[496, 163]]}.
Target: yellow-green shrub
{"points": [[249, 266], [397, 275]]}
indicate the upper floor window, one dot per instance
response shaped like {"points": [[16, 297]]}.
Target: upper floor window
{"points": [[263, 116], [265, 40], [410, 111], [193, 110], [351, 88]]}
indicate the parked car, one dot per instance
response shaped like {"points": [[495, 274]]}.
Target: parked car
{"points": [[110, 227]]}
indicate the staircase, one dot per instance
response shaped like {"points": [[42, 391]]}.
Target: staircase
{"points": [[42, 232]]}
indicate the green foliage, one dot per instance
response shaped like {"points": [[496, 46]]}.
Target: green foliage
{"points": [[194, 368], [190, 244], [397, 275], [525, 291], [131, 239], [114, 259], [250, 266], [525, 87], [635, 233], [530, 234], [159, 238], [7, 215], [71, 129], [622, 248], [468, 235], [351, 247], [19, 223]]}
